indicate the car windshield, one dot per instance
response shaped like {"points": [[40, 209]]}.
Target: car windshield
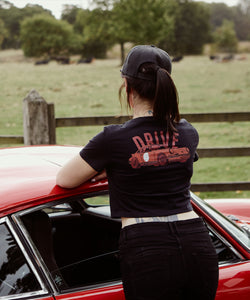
{"points": [[241, 234]]}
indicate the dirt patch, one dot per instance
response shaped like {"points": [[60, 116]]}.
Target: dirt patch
{"points": [[232, 91]]}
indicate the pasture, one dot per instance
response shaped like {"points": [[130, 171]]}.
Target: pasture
{"points": [[92, 90]]}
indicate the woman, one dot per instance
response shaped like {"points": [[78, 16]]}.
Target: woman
{"points": [[165, 249]]}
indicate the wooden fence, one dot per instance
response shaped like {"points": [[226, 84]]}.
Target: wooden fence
{"points": [[40, 128]]}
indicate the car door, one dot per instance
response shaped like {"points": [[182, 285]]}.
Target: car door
{"points": [[106, 293], [96, 261], [77, 250], [18, 277], [234, 281], [234, 270]]}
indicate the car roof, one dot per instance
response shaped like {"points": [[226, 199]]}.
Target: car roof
{"points": [[27, 176]]}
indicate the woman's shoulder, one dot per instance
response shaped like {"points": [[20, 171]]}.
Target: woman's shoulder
{"points": [[186, 127], [183, 123]]}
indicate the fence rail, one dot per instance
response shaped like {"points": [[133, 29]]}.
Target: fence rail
{"points": [[11, 139], [40, 128], [220, 187], [224, 152], [193, 118]]}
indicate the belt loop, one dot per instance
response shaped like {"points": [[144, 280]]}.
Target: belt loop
{"points": [[176, 228], [123, 234], [126, 234], [171, 227]]}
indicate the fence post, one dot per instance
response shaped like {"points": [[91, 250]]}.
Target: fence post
{"points": [[38, 120]]}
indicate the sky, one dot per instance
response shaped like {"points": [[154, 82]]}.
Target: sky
{"points": [[56, 6]]}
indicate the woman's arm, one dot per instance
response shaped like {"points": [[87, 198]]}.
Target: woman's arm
{"points": [[74, 173]]}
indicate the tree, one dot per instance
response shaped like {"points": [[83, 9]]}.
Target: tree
{"points": [[242, 20], [44, 35], [178, 26], [191, 28], [80, 22], [119, 27], [141, 19], [138, 21], [239, 15], [12, 17], [245, 6], [93, 25], [3, 32], [225, 37], [69, 13], [34, 9], [218, 13]]}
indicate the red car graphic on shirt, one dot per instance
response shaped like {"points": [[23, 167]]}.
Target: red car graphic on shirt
{"points": [[158, 155]]}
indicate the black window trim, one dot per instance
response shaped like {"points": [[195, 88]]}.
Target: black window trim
{"points": [[39, 293], [34, 252], [226, 243]]}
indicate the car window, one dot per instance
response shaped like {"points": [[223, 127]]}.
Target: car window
{"points": [[16, 276], [225, 253], [79, 248], [63, 208], [98, 200]]}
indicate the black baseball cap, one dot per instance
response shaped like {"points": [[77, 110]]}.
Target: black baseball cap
{"points": [[145, 54]]}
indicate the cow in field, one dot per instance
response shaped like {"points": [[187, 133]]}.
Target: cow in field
{"points": [[87, 60], [177, 58], [42, 62]]}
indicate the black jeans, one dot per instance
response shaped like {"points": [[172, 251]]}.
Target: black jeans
{"points": [[168, 260]]}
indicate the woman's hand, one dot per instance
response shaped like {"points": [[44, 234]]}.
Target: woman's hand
{"points": [[100, 176]]}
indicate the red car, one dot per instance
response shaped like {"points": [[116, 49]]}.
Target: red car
{"points": [[58, 244], [158, 155]]}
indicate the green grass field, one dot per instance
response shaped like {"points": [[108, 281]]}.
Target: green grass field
{"points": [[92, 90]]}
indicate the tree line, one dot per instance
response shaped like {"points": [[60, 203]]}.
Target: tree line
{"points": [[179, 26]]}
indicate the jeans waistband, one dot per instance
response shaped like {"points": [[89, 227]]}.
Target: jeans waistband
{"points": [[172, 218], [155, 228]]}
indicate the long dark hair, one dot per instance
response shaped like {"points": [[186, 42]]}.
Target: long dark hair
{"points": [[161, 90]]}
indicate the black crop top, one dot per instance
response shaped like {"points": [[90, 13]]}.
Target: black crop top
{"points": [[148, 173]]}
